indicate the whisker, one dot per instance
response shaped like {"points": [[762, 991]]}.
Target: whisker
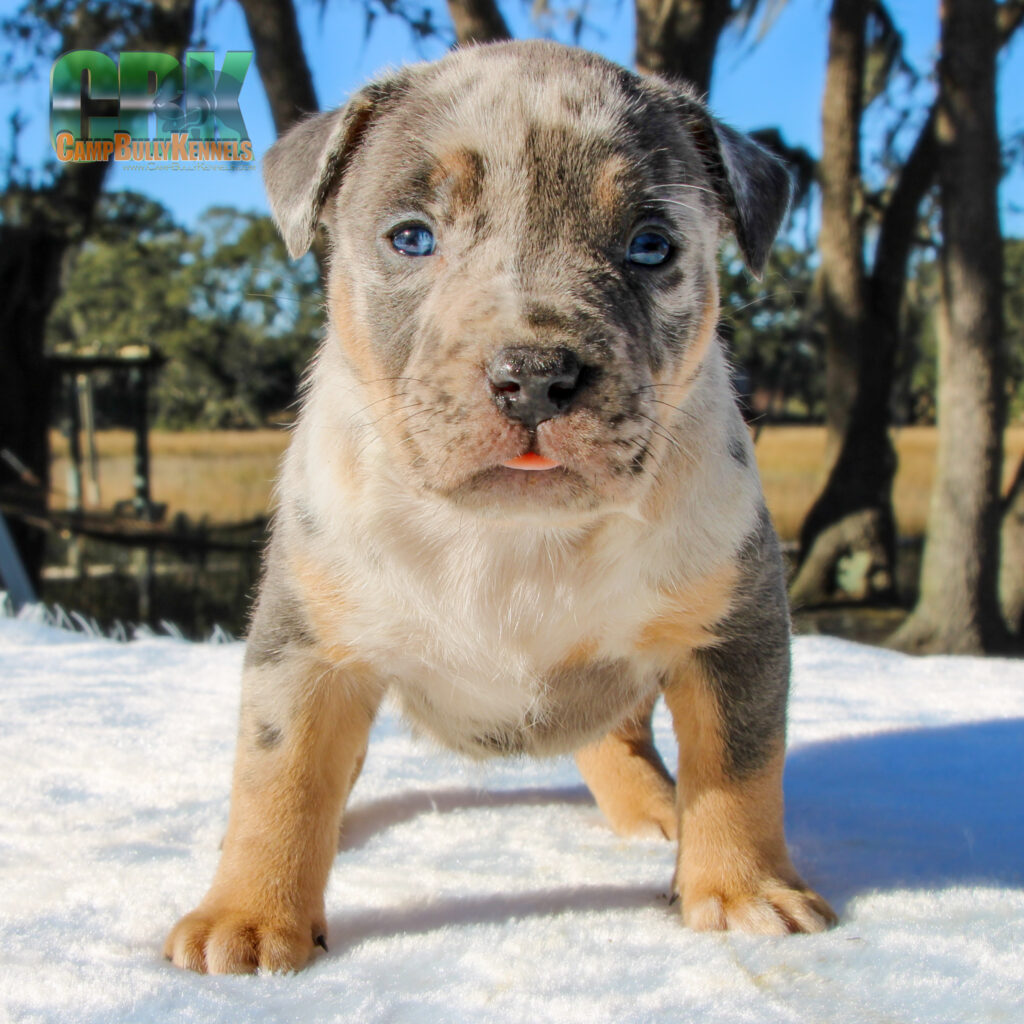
{"points": [[668, 405], [663, 432], [384, 380], [665, 384], [728, 310], [684, 184], [377, 401], [680, 203]]}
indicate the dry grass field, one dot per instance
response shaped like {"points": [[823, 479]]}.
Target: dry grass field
{"points": [[227, 476], [790, 460]]}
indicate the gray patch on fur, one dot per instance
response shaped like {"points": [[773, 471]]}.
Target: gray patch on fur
{"points": [[268, 736], [279, 624], [749, 669], [580, 704], [738, 450]]}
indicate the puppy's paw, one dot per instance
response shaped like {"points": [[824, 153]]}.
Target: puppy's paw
{"points": [[629, 781], [772, 907], [645, 811], [219, 939]]}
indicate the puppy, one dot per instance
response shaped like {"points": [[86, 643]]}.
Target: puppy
{"points": [[520, 496]]}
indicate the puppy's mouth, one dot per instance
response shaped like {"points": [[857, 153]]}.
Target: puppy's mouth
{"points": [[531, 462], [585, 459], [532, 485]]}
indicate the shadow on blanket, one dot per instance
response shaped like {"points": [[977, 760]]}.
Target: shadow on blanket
{"points": [[365, 820], [917, 809], [426, 916]]}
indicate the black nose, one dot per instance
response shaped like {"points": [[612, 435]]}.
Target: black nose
{"points": [[531, 385]]}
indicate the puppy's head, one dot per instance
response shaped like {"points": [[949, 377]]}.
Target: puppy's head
{"points": [[523, 250]]}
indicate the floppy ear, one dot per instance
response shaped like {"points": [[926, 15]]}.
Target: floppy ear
{"points": [[306, 164], [753, 184]]}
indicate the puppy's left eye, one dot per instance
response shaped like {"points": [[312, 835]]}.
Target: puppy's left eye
{"points": [[413, 240], [648, 249]]}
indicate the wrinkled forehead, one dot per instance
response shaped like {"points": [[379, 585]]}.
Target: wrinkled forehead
{"points": [[533, 130]]}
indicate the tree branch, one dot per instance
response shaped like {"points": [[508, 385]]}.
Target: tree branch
{"points": [[477, 21], [1009, 18], [897, 235], [280, 60]]}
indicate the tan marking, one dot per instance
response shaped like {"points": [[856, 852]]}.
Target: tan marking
{"points": [[659, 501], [265, 907], [581, 653], [685, 374], [688, 616], [458, 175], [353, 337], [323, 602], [607, 190], [628, 778], [733, 868]]}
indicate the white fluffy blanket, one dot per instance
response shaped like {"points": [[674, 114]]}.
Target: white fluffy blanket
{"points": [[464, 893]]}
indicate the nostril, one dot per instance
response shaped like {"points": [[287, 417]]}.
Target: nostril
{"points": [[532, 385], [562, 392]]}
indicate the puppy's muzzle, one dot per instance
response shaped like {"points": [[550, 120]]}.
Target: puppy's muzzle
{"points": [[531, 385]]}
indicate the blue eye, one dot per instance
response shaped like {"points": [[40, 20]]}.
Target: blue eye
{"points": [[413, 240], [648, 249]]}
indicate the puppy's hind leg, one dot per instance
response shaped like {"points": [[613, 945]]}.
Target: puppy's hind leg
{"points": [[629, 781], [303, 730]]}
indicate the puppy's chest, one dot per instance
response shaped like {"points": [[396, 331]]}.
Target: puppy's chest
{"points": [[508, 654]]}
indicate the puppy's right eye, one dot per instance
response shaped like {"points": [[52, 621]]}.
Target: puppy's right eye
{"points": [[413, 240], [649, 248]]}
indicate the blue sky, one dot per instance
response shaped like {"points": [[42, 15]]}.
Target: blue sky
{"points": [[775, 81]]}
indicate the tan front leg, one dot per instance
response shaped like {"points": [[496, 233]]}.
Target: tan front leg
{"points": [[629, 780], [733, 868], [303, 733]]}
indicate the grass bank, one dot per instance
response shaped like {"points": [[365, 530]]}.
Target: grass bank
{"points": [[227, 476]]}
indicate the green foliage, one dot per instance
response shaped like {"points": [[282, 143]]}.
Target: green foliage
{"points": [[235, 318], [238, 321], [917, 363], [774, 341]]}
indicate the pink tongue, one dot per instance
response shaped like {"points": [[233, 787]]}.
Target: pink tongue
{"points": [[531, 460]]}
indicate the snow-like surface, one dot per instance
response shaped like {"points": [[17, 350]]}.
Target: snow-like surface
{"points": [[496, 893]]}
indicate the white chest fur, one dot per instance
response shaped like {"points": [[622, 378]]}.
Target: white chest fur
{"points": [[493, 628]]}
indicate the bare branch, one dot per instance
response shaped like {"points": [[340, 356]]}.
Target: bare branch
{"points": [[477, 21], [281, 60], [1009, 17]]}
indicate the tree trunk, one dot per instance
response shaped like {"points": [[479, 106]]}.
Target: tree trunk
{"points": [[477, 21], [958, 608], [281, 60], [841, 239], [38, 229], [30, 262], [1011, 569], [847, 540], [679, 38]]}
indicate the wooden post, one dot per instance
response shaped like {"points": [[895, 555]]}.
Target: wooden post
{"points": [[74, 434], [74, 446], [138, 379], [87, 418]]}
